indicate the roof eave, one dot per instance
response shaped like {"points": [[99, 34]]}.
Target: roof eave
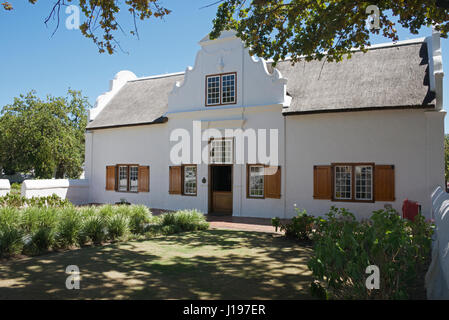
{"points": [[157, 121]]}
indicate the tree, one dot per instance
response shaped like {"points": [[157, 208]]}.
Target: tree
{"points": [[277, 28], [103, 15], [46, 137]]}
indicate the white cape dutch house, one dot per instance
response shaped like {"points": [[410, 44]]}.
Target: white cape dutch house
{"points": [[364, 134]]}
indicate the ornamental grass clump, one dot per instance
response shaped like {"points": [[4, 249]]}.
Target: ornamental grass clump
{"points": [[183, 220], [11, 234], [69, 227], [40, 225]]}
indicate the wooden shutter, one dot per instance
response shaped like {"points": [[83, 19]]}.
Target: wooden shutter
{"points": [[110, 177], [272, 183], [175, 185], [384, 183], [322, 182], [144, 178]]}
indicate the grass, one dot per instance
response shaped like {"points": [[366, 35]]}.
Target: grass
{"points": [[211, 264]]}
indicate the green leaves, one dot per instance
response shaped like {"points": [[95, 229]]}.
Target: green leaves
{"points": [[309, 28], [46, 137], [344, 247]]}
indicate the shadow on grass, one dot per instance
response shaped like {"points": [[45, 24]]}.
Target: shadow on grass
{"points": [[213, 264]]}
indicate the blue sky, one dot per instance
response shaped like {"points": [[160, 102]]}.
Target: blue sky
{"points": [[30, 58]]}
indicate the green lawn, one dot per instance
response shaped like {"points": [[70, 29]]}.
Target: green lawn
{"points": [[213, 264]]}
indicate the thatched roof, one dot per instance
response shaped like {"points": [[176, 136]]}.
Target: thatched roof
{"points": [[384, 77], [139, 102], [394, 76]]}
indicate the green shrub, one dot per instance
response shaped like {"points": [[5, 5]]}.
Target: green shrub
{"points": [[140, 217], [40, 224], [16, 188], [11, 235], [345, 247], [95, 229], [118, 226], [276, 223], [299, 227], [185, 220], [69, 227], [15, 200]]}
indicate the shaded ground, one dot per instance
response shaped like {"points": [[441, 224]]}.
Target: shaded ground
{"points": [[213, 264]]}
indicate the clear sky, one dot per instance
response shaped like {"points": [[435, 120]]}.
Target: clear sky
{"points": [[30, 58]]}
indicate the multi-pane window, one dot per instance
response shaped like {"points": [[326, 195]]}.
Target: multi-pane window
{"points": [[228, 85], [256, 181], [343, 178], [133, 178], [221, 89], [123, 178], [213, 90], [221, 151], [353, 182], [190, 180], [363, 182]]}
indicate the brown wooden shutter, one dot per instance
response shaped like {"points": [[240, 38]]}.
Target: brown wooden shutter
{"points": [[175, 185], [322, 182], [144, 178], [384, 183], [110, 177], [272, 184]]}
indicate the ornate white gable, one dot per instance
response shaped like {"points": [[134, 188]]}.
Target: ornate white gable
{"points": [[255, 84]]}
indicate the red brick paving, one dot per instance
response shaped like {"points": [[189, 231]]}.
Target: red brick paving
{"points": [[234, 223]]}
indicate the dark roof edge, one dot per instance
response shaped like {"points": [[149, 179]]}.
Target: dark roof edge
{"points": [[291, 113], [157, 121]]}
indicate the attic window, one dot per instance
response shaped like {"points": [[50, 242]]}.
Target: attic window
{"points": [[221, 89]]}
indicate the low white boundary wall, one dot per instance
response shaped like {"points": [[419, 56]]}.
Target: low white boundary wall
{"points": [[437, 277], [76, 191], [5, 187]]}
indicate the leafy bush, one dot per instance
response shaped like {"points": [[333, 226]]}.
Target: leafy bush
{"points": [[17, 201], [184, 220], [11, 235], [345, 247], [299, 227]]}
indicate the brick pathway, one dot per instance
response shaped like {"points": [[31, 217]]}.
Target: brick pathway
{"points": [[234, 223], [241, 223]]}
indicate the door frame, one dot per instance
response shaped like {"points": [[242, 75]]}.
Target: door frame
{"points": [[211, 183]]}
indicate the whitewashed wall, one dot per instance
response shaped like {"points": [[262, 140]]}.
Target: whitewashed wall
{"points": [[5, 187], [76, 191], [437, 277], [411, 140]]}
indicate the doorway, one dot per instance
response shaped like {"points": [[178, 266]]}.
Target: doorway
{"points": [[220, 189]]}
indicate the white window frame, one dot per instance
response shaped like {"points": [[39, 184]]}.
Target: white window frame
{"points": [[222, 78], [250, 176], [370, 185], [210, 90], [214, 146], [353, 181], [120, 186], [133, 188], [186, 179]]}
